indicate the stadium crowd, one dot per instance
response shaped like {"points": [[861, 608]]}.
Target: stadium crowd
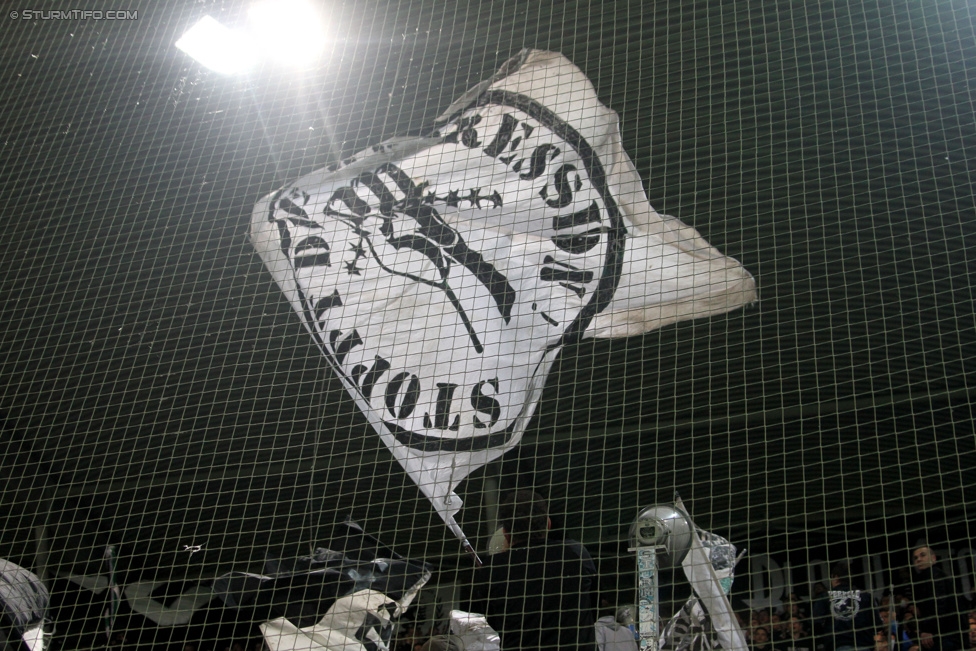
{"points": [[926, 613]]}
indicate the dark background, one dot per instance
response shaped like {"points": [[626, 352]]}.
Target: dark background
{"points": [[158, 391]]}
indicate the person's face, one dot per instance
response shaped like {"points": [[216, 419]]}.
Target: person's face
{"points": [[923, 558], [885, 616], [909, 612], [972, 632], [797, 627], [760, 636]]}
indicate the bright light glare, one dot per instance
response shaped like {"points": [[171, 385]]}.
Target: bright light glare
{"points": [[289, 31], [217, 47]]}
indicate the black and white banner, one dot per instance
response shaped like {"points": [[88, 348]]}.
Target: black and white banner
{"points": [[441, 275]]}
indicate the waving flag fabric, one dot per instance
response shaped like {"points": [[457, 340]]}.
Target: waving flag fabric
{"points": [[441, 275], [707, 620], [24, 605]]}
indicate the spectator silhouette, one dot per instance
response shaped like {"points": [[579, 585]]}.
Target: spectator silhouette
{"points": [[541, 592], [844, 618], [935, 608]]}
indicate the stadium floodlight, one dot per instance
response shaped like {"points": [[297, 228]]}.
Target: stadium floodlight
{"points": [[218, 47], [289, 32]]}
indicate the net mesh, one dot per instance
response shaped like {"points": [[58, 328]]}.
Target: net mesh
{"points": [[160, 396]]}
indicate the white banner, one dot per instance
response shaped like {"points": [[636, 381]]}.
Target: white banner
{"points": [[711, 591], [355, 622], [441, 275]]}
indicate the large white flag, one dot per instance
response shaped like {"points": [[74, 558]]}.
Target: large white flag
{"points": [[441, 275]]}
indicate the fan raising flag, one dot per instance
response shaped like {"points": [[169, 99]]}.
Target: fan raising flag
{"points": [[441, 275]]}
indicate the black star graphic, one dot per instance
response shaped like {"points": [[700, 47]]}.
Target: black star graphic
{"points": [[474, 197], [358, 249], [352, 269], [453, 198]]}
